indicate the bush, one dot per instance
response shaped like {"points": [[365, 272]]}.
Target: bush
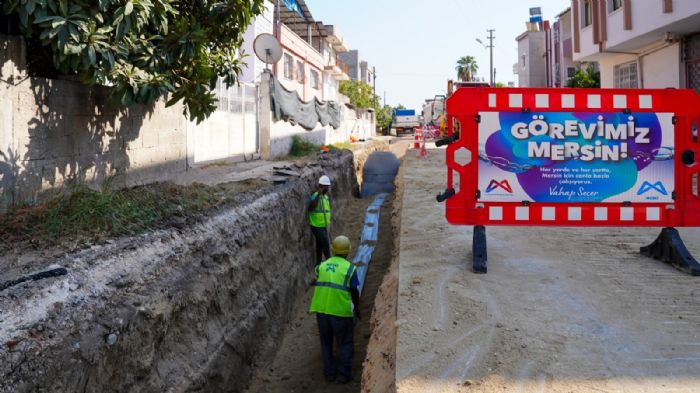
{"points": [[302, 148], [89, 215], [588, 78]]}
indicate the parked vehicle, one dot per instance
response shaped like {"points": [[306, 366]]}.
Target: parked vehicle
{"points": [[404, 121]]}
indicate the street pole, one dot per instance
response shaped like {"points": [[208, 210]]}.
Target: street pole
{"points": [[491, 71], [277, 20], [374, 86]]}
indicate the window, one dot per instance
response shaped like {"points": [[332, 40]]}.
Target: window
{"points": [[570, 72], [523, 61], [587, 13], [626, 76], [313, 78], [300, 72], [614, 5], [288, 66]]}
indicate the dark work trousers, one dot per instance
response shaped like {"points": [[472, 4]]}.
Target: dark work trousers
{"points": [[323, 244], [341, 328]]}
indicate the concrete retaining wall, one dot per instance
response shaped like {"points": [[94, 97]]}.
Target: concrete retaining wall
{"points": [[59, 131], [54, 132], [276, 136]]}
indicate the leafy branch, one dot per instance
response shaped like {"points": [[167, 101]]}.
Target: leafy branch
{"points": [[143, 49]]}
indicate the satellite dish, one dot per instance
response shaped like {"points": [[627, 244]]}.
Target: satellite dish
{"points": [[267, 48]]}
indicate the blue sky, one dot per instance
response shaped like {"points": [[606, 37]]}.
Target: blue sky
{"points": [[415, 44]]}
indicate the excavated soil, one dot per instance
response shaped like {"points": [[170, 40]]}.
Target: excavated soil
{"points": [[379, 367], [298, 366], [178, 309]]}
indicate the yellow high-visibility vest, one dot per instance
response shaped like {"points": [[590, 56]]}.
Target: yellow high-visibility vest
{"points": [[320, 216], [332, 291]]}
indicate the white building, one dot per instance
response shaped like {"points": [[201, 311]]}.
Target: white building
{"points": [[263, 23], [334, 70], [640, 43]]}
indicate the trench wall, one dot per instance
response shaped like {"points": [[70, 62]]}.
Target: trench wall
{"points": [[185, 309]]}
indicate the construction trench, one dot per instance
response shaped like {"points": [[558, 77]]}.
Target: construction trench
{"points": [[221, 304], [218, 306]]}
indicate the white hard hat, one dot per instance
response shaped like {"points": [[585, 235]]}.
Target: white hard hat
{"points": [[324, 180]]}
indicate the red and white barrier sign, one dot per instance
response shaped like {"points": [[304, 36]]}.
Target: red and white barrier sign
{"points": [[431, 132], [573, 157]]}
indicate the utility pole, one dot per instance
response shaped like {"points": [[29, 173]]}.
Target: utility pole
{"points": [[491, 71], [374, 87], [277, 20]]}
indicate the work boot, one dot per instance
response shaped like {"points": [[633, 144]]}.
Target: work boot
{"points": [[342, 379]]}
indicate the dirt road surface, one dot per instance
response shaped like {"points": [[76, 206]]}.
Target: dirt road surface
{"points": [[561, 309]]}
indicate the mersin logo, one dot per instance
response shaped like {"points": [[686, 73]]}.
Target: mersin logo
{"points": [[499, 184], [646, 187]]}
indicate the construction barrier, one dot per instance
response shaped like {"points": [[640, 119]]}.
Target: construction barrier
{"points": [[417, 137], [564, 157], [419, 142], [430, 132]]}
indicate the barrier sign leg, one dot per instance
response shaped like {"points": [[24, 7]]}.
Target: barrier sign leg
{"points": [[669, 248], [479, 250]]}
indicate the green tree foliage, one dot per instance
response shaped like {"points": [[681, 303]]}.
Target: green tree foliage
{"points": [[466, 68], [384, 117], [360, 95], [585, 78], [143, 48]]}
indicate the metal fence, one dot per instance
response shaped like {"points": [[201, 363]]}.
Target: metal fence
{"points": [[240, 98]]}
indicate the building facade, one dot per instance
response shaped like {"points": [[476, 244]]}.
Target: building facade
{"points": [[310, 64], [561, 54], [366, 73], [263, 23], [352, 59], [532, 66], [639, 44], [301, 66], [334, 70], [358, 69]]}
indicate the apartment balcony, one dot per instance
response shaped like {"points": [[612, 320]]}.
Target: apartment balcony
{"points": [[338, 70], [335, 39], [636, 29]]}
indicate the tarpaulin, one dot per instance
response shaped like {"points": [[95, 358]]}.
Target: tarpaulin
{"points": [[288, 106], [292, 5]]}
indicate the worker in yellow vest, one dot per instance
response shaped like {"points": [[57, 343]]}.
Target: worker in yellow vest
{"points": [[335, 302], [320, 218]]}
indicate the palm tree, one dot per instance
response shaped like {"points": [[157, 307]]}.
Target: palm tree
{"points": [[466, 68]]}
